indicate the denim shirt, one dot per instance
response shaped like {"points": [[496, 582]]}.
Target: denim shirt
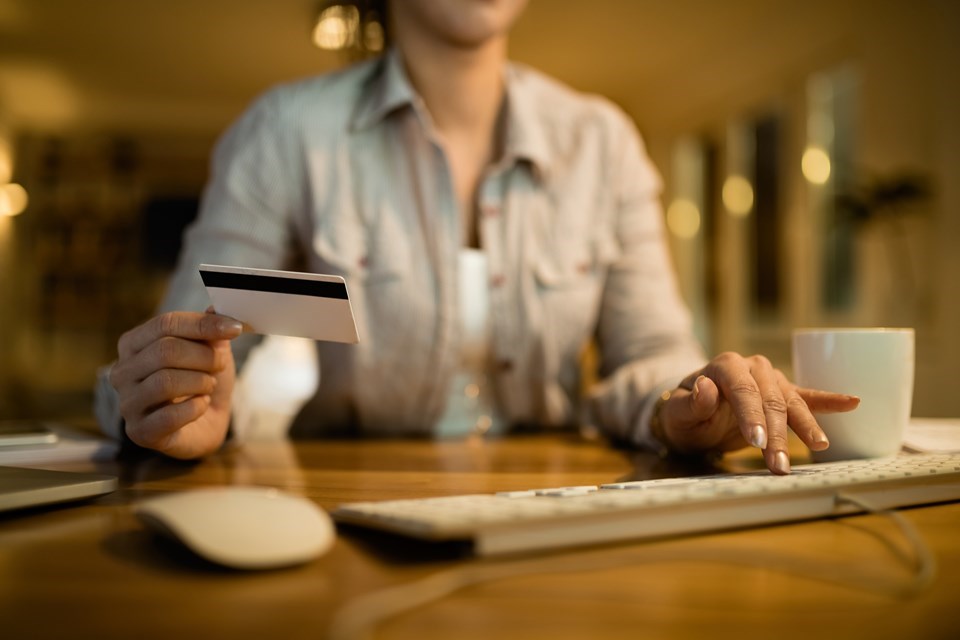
{"points": [[344, 174]]}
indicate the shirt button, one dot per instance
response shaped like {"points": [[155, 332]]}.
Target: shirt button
{"points": [[497, 280], [505, 366], [490, 210]]}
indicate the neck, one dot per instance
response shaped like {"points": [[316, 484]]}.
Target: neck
{"points": [[462, 87]]}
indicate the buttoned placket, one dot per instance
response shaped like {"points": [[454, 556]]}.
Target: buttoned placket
{"points": [[490, 228], [502, 208], [444, 217], [500, 227]]}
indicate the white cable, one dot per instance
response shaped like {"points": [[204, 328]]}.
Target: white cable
{"points": [[925, 563], [357, 619]]}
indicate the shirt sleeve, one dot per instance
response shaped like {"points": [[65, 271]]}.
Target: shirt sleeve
{"points": [[645, 333], [246, 213], [245, 219]]}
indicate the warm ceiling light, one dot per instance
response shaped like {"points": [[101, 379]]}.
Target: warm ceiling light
{"points": [[683, 218], [815, 165], [738, 196], [373, 36], [336, 27], [13, 199]]}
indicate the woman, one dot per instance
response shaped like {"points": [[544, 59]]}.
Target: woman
{"points": [[384, 173]]}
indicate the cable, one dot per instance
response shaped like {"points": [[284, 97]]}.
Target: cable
{"points": [[357, 619], [924, 561]]}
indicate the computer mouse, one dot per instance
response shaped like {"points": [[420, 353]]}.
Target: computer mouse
{"points": [[242, 527]]}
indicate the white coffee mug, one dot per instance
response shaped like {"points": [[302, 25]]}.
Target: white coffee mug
{"points": [[875, 364]]}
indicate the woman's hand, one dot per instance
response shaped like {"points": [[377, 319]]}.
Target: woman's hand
{"points": [[734, 401], [175, 376]]}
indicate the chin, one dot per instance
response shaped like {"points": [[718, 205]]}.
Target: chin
{"points": [[463, 23]]}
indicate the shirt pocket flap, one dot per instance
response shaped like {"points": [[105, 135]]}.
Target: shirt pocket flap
{"points": [[365, 254], [573, 261]]}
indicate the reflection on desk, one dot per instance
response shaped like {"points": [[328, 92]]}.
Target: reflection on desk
{"points": [[93, 570]]}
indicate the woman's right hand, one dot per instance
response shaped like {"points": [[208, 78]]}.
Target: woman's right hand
{"points": [[175, 375]]}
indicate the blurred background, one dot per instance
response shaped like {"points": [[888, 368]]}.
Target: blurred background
{"points": [[810, 152]]}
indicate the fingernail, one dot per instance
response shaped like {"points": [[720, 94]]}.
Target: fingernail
{"points": [[696, 387], [821, 438], [231, 326], [781, 462], [758, 436]]}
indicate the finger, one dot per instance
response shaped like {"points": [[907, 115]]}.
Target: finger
{"points": [[174, 353], [733, 439], [246, 327], [691, 407], [223, 356], [801, 420], [690, 417], [164, 387], [775, 411], [159, 427], [827, 402], [690, 380], [732, 375], [179, 324]]}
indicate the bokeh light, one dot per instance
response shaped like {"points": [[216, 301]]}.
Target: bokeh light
{"points": [[815, 165], [336, 27], [13, 199], [683, 218], [738, 196]]}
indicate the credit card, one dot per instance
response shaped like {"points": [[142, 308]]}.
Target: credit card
{"points": [[283, 303]]}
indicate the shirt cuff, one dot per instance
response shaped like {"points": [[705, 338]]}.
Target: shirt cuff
{"points": [[106, 405], [642, 436]]}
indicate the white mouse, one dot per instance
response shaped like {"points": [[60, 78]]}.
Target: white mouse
{"points": [[242, 527]]}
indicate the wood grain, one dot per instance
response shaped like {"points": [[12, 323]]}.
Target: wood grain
{"points": [[92, 570]]}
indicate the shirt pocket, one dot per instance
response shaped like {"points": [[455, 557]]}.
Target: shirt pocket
{"points": [[365, 254], [570, 273], [575, 261], [374, 257]]}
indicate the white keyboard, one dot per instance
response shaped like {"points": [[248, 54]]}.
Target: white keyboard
{"points": [[558, 517]]}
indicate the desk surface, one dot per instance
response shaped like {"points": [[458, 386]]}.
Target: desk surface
{"points": [[92, 570]]}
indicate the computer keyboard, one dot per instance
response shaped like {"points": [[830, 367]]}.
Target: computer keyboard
{"points": [[557, 517]]}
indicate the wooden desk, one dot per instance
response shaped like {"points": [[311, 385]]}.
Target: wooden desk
{"points": [[92, 570]]}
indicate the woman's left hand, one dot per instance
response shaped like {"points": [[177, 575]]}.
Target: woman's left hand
{"points": [[734, 401]]}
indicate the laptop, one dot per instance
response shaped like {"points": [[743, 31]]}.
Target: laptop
{"points": [[21, 487]]}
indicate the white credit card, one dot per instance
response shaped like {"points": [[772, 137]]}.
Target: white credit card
{"points": [[283, 303]]}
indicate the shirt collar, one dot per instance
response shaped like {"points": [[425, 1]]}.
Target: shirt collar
{"points": [[389, 89], [526, 138]]}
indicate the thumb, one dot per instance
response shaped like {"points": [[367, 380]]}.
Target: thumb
{"points": [[688, 408]]}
